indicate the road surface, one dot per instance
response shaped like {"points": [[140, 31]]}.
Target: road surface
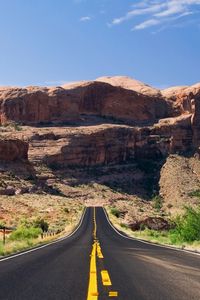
{"points": [[97, 263]]}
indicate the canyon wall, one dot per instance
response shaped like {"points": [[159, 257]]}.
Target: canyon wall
{"points": [[151, 123], [35, 105]]}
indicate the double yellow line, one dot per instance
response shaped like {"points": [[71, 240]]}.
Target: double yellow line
{"points": [[96, 252]]}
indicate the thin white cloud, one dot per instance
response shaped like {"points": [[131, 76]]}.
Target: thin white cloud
{"points": [[157, 12], [153, 22], [138, 12], [85, 19], [145, 24]]}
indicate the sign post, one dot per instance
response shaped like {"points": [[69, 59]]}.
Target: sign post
{"points": [[4, 235]]}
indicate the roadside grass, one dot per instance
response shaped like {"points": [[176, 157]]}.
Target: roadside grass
{"points": [[54, 216], [186, 234], [16, 242]]}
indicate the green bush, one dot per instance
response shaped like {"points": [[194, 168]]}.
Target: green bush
{"points": [[187, 226], [123, 225], [157, 202], [2, 225], [195, 193], [114, 211], [41, 224], [23, 233]]}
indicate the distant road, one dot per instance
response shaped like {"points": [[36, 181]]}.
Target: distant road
{"points": [[72, 268]]}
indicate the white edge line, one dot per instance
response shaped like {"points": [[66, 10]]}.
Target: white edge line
{"points": [[46, 245], [145, 242]]}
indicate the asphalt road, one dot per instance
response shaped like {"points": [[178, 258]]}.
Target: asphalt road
{"points": [[134, 270]]}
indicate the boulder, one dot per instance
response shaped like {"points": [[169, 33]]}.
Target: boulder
{"points": [[13, 149], [153, 223]]}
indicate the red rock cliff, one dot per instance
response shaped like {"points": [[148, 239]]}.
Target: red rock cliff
{"points": [[35, 105]]}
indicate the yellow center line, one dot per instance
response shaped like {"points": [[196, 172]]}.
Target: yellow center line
{"points": [[105, 277], [92, 288], [97, 252], [95, 225]]}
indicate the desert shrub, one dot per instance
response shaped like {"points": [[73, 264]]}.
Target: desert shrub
{"points": [[23, 233], [195, 193], [187, 226], [2, 225], [25, 223], [17, 127], [14, 125], [157, 202], [41, 224], [123, 225], [114, 211], [37, 223]]}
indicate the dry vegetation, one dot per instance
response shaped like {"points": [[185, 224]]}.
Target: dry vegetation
{"points": [[157, 237], [61, 214]]}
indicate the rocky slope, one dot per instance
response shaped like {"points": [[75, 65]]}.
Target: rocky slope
{"points": [[179, 179], [115, 132]]}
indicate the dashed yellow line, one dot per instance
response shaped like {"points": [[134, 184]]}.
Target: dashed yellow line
{"points": [[95, 225], [105, 277], [99, 252], [113, 294], [96, 252]]}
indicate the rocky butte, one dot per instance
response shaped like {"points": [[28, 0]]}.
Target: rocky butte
{"points": [[105, 122], [108, 120]]}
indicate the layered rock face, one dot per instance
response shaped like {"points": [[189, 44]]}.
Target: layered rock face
{"points": [[86, 146], [35, 105], [108, 144], [186, 100], [13, 149], [157, 122], [196, 122], [43, 105]]}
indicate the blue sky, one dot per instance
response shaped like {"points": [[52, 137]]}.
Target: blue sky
{"points": [[49, 42]]}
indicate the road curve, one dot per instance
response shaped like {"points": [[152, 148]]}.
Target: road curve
{"points": [[97, 263]]}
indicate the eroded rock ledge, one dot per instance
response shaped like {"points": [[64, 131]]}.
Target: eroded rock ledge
{"points": [[134, 121]]}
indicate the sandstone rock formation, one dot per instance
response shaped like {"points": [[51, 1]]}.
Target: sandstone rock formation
{"points": [[131, 84], [183, 98], [35, 105], [157, 122], [83, 146], [13, 149], [107, 143]]}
